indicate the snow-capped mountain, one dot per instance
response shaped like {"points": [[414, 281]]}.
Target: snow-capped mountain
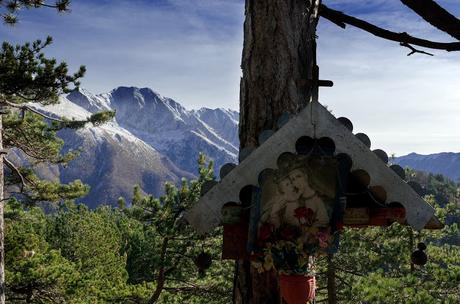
{"points": [[153, 139]]}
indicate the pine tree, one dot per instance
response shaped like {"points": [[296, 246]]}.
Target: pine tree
{"points": [[28, 77], [163, 250]]}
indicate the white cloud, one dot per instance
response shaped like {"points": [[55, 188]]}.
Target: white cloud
{"points": [[403, 103], [190, 50]]}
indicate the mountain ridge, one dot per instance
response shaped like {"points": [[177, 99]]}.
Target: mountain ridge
{"points": [[154, 139]]}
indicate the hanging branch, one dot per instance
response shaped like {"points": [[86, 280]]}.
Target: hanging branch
{"points": [[15, 170], [341, 19], [435, 15], [414, 50]]}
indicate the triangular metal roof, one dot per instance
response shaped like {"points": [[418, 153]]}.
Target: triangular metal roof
{"points": [[314, 121]]}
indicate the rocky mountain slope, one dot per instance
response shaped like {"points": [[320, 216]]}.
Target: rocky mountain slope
{"points": [[153, 139]]}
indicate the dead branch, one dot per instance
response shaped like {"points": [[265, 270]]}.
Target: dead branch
{"points": [[413, 50], [342, 20], [435, 15], [13, 168]]}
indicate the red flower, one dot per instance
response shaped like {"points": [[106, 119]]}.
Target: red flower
{"points": [[304, 215], [287, 233], [265, 231]]}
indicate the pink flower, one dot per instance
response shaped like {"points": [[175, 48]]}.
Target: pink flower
{"points": [[323, 239]]}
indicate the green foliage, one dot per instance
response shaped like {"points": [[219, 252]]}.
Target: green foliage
{"points": [[35, 272], [92, 241], [145, 253], [115, 255], [10, 9], [26, 76], [162, 249], [373, 265], [34, 137]]}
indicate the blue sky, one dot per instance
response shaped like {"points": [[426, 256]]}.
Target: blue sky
{"points": [[190, 51]]}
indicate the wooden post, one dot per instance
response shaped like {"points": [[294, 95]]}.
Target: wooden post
{"points": [[331, 282]]}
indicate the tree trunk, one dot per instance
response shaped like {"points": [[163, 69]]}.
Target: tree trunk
{"points": [[331, 282], [161, 273], [2, 236], [278, 56]]}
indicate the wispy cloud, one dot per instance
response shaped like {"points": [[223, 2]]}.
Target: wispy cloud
{"points": [[190, 50], [403, 103]]}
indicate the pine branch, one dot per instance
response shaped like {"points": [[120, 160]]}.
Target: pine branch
{"points": [[95, 119], [341, 19], [15, 170], [29, 108]]}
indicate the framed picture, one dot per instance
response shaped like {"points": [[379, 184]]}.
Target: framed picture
{"points": [[301, 192]]}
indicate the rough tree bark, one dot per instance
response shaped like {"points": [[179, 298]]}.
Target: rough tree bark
{"points": [[2, 238], [278, 56]]}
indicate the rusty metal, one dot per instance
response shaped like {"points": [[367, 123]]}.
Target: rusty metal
{"points": [[313, 82], [203, 261], [419, 257]]}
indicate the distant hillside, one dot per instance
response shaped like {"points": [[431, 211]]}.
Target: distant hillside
{"points": [[445, 163]]}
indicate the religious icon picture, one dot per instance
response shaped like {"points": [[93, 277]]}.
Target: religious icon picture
{"points": [[297, 214], [301, 193]]}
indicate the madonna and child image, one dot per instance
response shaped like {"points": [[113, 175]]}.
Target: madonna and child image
{"points": [[300, 193]]}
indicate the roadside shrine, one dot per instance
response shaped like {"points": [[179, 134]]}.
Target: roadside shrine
{"points": [[288, 199]]}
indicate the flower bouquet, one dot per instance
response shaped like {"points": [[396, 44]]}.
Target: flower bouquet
{"points": [[291, 251]]}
